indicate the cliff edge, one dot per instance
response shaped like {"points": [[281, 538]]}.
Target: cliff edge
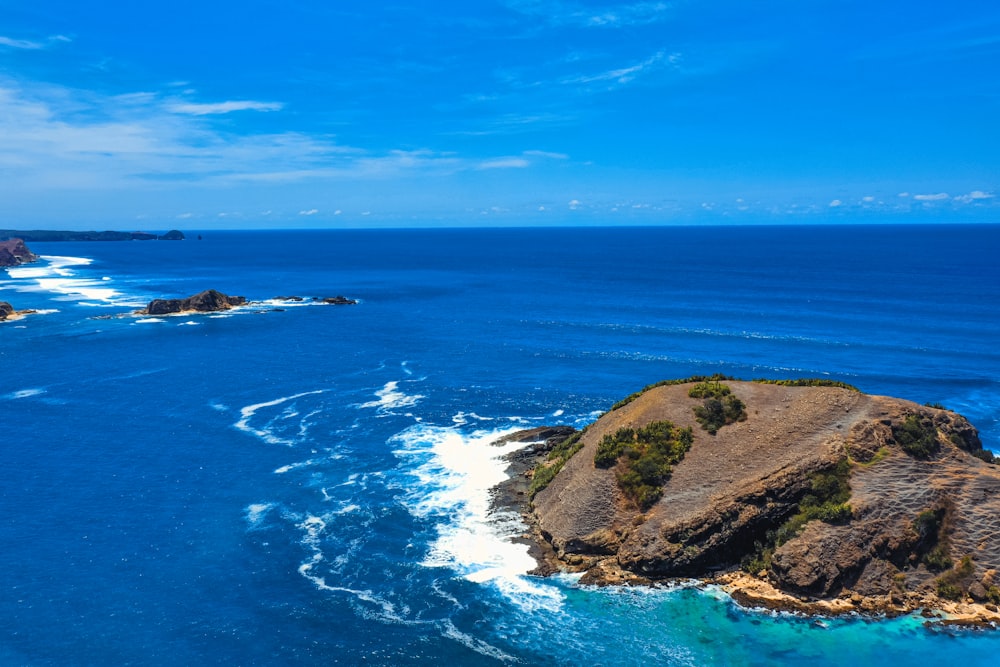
{"points": [[818, 498], [13, 252]]}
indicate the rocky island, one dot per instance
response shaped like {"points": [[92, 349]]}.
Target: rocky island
{"points": [[802, 495], [8, 314], [212, 301], [208, 301]]}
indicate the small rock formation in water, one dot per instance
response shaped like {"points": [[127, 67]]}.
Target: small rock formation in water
{"points": [[203, 302]]}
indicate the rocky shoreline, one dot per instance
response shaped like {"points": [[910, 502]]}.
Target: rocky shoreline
{"points": [[8, 314], [878, 562]]}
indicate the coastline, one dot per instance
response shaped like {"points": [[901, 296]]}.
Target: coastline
{"points": [[747, 590]]}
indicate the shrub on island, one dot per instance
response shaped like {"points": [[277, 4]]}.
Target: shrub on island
{"points": [[644, 458]]}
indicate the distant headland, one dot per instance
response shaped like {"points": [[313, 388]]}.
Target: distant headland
{"points": [[42, 236], [800, 495], [13, 252]]}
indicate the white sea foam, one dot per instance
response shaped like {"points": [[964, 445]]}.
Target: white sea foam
{"points": [[450, 476], [463, 418], [256, 513], [266, 433], [558, 413], [23, 393], [61, 276], [391, 398], [478, 645], [148, 320]]}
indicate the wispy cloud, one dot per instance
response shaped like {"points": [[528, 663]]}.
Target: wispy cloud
{"points": [[546, 154], [54, 137], [939, 196], [556, 12], [504, 163], [836, 203], [311, 211], [31, 45], [215, 108], [623, 75], [975, 195]]}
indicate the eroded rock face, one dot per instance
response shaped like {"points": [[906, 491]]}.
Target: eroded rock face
{"points": [[723, 501], [205, 302], [14, 253], [6, 310]]}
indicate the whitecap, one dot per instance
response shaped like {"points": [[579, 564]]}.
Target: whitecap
{"points": [[247, 413], [23, 393], [558, 413], [256, 512], [148, 320], [391, 398], [449, 477]]}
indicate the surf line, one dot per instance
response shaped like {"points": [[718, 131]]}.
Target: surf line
{"points": [[247, 413]]}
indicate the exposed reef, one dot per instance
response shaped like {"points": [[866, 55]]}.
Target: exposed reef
{"points": [[812, 498], [13, 252]]}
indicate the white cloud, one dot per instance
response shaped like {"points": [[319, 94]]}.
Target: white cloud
{"points": [[903, 194], [504, 163], [932, 197], [868, 199], [975, 195], [184, 216], [625, 75], [574, 204], [30, 45], [312, 211], [615, 16], [215, 108], [53, 137], [546, 154], [835, 203]]}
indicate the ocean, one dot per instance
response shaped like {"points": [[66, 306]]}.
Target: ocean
{"points": [[303, 484]]}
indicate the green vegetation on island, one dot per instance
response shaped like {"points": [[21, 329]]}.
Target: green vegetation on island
{"points": [[827, 501], [917, 436], [555, 461], [644, 458], [720, 407]]}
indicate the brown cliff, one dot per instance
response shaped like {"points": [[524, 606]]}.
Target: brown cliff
{"points": [[13, 252], [918, 530]]}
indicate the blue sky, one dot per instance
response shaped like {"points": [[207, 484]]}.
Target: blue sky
{"points": [[260, 113]]}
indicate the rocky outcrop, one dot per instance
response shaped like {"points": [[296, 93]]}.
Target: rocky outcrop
{"points": [[921, 527], [203, 302], [338, 301], [7, 312], [13, 252]]}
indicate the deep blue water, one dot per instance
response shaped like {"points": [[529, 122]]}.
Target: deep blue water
{"points": [[310, 486]]}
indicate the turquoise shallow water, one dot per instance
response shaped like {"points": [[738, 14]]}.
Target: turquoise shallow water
{"points": [[311, 486]]}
